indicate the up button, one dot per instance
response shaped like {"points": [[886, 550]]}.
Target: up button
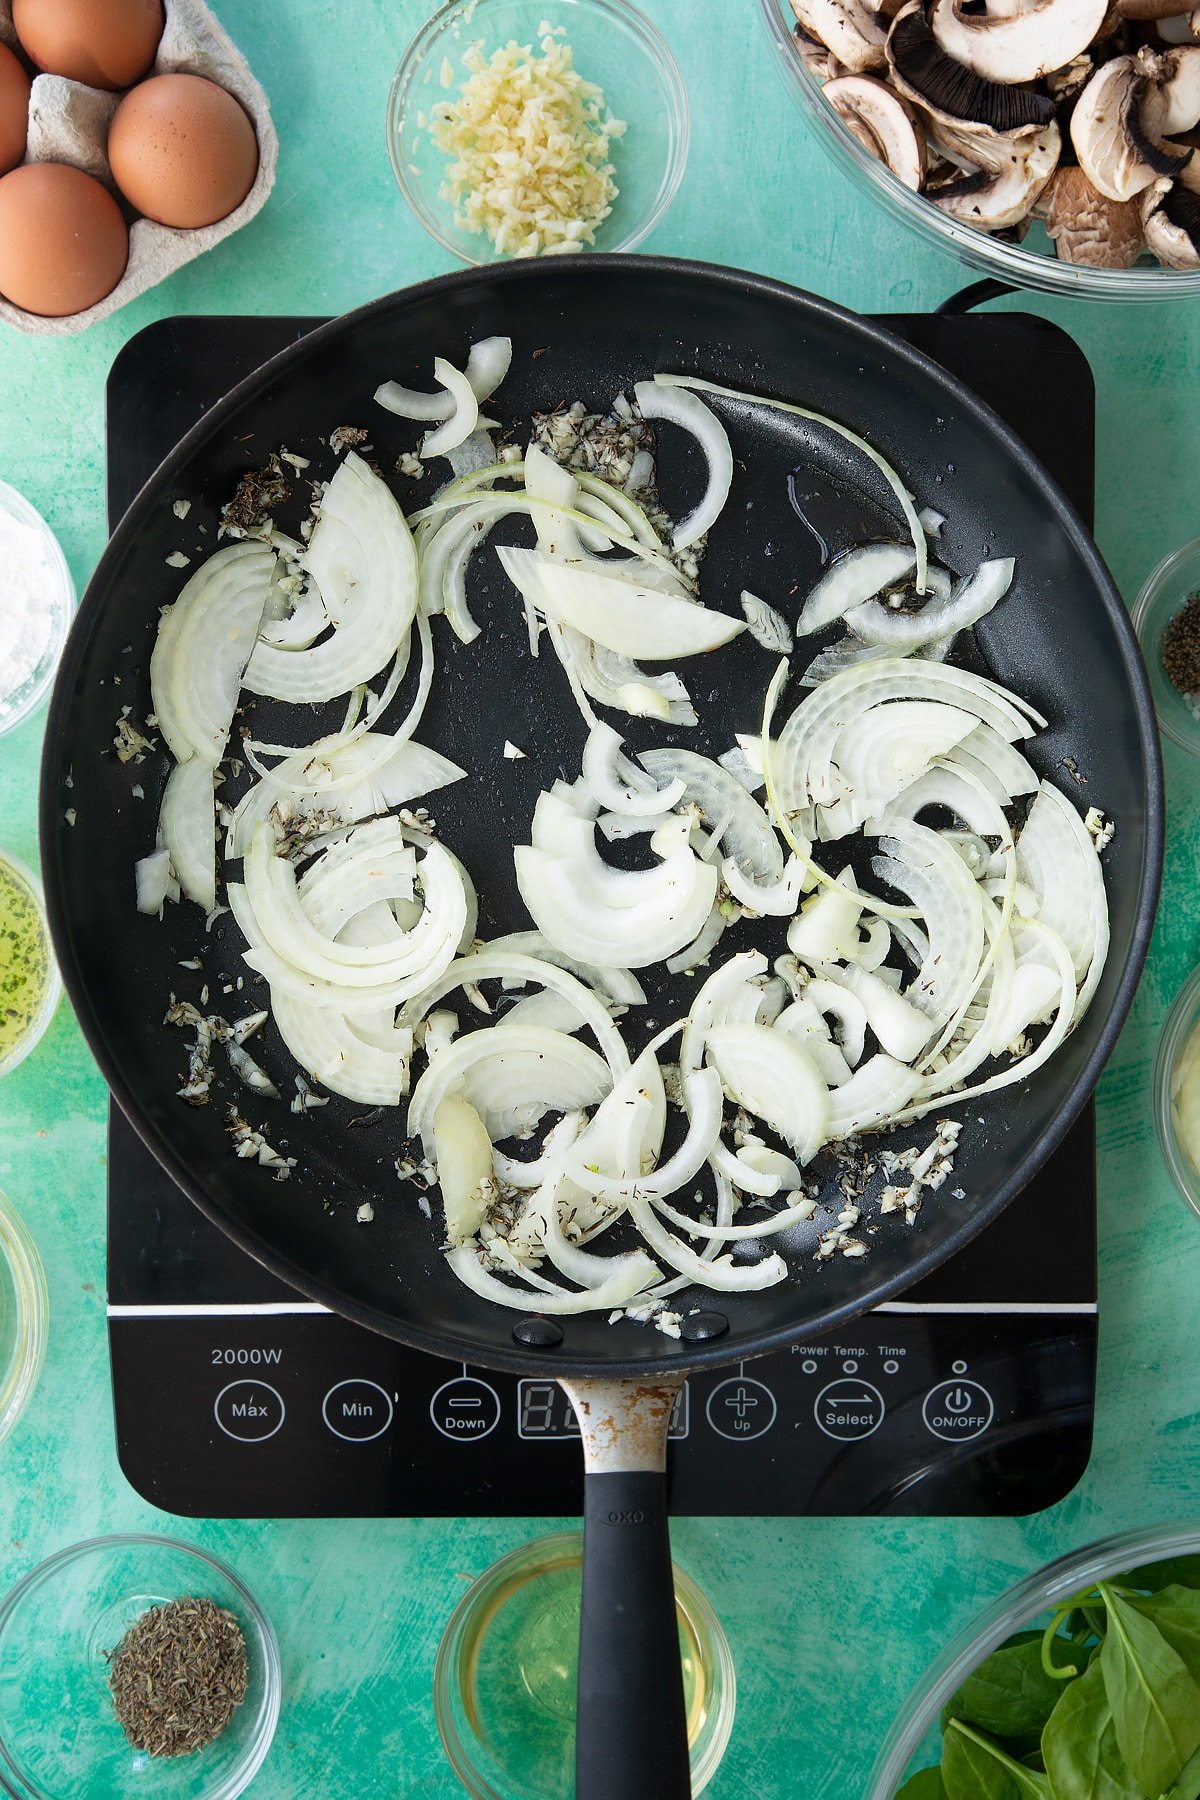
{"points": [[957, 1411]]}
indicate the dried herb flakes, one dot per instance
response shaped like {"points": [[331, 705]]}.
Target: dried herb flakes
{"points": [[178, 1676]]}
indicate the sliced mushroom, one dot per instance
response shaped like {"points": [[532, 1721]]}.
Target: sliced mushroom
{"points": [[1117, 131], [1009, 174], [1022, 44], [1087, 228], [883, 122], [849, 29], [1066, 84], [1180, 28], [819, 61], [1171, 221], [1176, 75], [1151, 11], [923, 73]]}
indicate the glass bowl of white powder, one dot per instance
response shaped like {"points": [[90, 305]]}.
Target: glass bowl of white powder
{"points": [[37, 599]]}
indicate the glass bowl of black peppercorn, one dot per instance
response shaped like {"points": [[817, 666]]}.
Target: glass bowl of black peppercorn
{"points": [[1166, 617], [134, 1665]]}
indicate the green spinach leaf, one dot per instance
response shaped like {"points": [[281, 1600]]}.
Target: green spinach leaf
{"points": [[927, 1784], [973, 1768], [1079, 1744], [1155, 1703], [1176, 1612], [1010, 1694], [1187, 1787], [1181, 1570]]}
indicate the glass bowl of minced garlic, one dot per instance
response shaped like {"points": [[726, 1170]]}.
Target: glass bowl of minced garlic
{"points": [[518, 130]]}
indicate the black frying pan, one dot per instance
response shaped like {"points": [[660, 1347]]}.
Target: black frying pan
{"points": [[586, 328]]}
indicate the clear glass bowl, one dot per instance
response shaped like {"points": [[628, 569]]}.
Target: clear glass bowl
{"points": [[42, 988], [59, 1736], [29, 695], [914, 1739], [24, 1311], [1177, 1041], [1032, 264], [504, 1681], [613, 44], [1164, 591]]}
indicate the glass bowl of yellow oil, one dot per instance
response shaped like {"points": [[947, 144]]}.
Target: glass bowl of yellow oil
{"points": [[30, 987], [504, 1681]]}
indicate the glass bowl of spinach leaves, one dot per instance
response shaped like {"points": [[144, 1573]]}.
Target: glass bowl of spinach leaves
{"points": [[1080, 1683]]}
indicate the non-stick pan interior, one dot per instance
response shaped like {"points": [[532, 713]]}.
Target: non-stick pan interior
{"points": [[585, 329]]}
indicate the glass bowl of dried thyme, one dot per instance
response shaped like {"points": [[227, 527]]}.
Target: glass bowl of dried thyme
{"points": [[134, 1665], [1166, 617]]}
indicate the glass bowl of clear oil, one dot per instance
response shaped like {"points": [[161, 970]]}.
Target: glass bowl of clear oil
{"points": [[29, 981], [23, 1316], [504, 1681]]}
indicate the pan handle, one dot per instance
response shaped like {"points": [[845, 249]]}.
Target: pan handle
{"points": [[631, 1724]]}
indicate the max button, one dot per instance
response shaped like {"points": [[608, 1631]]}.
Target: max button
{"points": [[957, 1411], [250, 1411], [465, 1408]]}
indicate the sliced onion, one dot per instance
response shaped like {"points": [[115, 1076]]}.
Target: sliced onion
{"points": [[779, 899], [620, 785], [702, 1089], [825, 930], [680, 407], [188, 826], [362, 557], [462, 421], [748, 836], [513, 1075], [203, 644], [766, 626], [853, 578], [767, 1072], [878, 624], [911, 516], [1058, 859], [875, 1093], [155, 882], [627, 1280], [918, 863], [629, 619], [462, 1155], [487, 365], [330, 1049], [609, 916], [496, 963], [902, 1029]]}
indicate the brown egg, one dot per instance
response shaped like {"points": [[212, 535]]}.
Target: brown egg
{"points": [[63, 241], [14, 110], [182, 150], [107, 43]]}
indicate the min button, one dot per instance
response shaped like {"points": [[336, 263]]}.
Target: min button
{"points": [[251, 1411], [957, 1411], [357, 1411]]}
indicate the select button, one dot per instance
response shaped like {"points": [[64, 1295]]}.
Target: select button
{"points": [[251, 1411], [357, 1411]]}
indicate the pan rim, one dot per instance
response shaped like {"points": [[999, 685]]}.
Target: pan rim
{"points": [[674, 1355]]}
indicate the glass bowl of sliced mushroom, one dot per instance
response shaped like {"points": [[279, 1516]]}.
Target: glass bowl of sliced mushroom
{"points": [[1052, 143]]}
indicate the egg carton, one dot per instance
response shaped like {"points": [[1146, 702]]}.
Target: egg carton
{"points": [[68, 122]]}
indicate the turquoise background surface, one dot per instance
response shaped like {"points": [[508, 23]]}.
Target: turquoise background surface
{"points": [[830, 1622]]}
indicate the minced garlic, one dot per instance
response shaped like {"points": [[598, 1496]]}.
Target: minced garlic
{"points": [[529, 141]]}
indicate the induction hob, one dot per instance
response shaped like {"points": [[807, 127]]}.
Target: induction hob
{"points": [[234, 1397]]}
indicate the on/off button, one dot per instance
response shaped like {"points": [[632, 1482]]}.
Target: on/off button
{"points": [[957, 1411]]}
